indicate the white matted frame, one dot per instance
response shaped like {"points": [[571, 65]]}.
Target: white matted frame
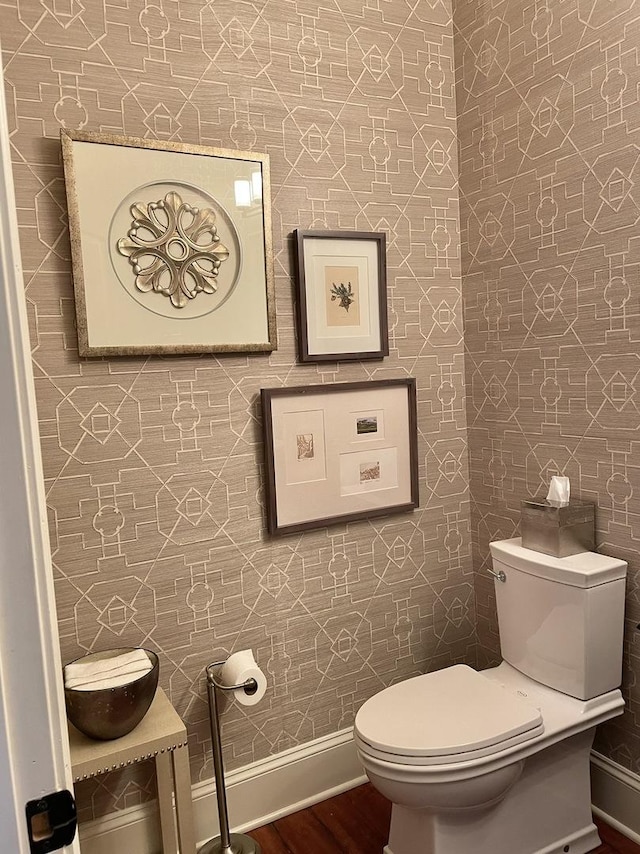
{"points": [[342, 295], [171, 246], [339, 452]]}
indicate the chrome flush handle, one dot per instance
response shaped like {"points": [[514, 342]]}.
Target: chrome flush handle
{"points": [[501, 576]]}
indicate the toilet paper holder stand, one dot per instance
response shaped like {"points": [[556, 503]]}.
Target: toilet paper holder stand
{"points": [[225, 843]]}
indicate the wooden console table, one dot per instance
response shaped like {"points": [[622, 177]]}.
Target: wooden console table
{"points": [[161, 735]]}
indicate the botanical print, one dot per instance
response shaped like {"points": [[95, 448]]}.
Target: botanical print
{"points": [[304, 442], [369, 471], [367, 424], [343, 293], [342, 290]]}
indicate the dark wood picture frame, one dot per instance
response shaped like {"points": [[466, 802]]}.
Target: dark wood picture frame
{"points": [[339, 452], [364, 252]]}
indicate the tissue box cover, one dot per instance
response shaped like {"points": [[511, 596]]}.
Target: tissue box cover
{"points": [[558, 530]]}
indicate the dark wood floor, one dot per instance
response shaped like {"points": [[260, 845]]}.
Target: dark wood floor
{"points": [[357, 822]]}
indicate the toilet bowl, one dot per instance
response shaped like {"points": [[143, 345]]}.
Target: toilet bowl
{"points": [[522, 755], [495, 761]]}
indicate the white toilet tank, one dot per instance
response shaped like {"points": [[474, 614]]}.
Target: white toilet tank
{"points": [[561, 619]]}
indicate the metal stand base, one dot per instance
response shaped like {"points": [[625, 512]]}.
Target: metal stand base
{"points": [[240, 844]]}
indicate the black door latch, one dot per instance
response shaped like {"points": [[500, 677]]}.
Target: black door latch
{"points": [[51, 822]]}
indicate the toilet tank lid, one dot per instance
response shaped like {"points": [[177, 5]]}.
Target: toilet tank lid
{"points": [[587, 569]]}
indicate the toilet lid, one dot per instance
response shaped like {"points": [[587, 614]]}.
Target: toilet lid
{"points": [[451, 711]]}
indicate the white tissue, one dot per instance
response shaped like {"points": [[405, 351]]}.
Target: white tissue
{"points": [[239, 667], [106, 666], [112, 672], [559, 490], [124, 678]]}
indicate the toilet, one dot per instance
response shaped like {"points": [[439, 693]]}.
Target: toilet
{"points": [[497, 761]]}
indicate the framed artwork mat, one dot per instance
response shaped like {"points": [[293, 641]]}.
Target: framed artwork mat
{"points": [[171, 246]]}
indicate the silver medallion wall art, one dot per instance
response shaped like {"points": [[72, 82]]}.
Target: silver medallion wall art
{"points": [[171, 247], [167, 234]]}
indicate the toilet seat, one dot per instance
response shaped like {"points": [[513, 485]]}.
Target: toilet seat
{"points": [[448, 716]]}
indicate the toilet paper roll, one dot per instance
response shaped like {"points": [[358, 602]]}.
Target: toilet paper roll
{"points": [[239, 667]]}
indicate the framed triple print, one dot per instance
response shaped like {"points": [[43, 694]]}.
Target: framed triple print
{"points": [[339, 452]]}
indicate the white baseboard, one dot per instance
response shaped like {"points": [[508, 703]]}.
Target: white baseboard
{"points": [[256, 794], [279, 785], [615, 795]]}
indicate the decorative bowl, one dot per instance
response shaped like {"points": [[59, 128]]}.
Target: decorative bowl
{"points": [[112, 712]]}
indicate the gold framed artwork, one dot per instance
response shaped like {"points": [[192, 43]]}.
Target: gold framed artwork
{"points": [[339, 452], [171, 246], [342, 295]]}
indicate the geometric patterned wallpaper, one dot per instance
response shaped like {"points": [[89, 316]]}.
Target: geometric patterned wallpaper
{"points": [[549, 131], [153, 466]]}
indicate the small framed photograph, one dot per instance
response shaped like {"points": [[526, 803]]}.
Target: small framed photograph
{"points": [[342, 295], [339, 452], [171, 246]]}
